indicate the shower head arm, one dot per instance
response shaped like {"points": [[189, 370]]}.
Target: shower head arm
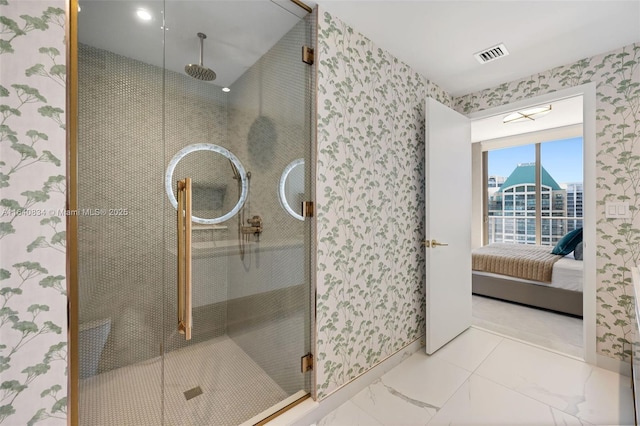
{"points": [[202, 37]]}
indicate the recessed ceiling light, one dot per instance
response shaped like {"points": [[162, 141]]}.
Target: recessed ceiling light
{"points": [[529, 114], [143, 14], [226, 89]]}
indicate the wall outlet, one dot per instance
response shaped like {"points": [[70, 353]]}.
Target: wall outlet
{"points": [[617, 210]]}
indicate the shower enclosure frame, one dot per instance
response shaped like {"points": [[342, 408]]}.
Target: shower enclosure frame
{"points": [[72, 265]]}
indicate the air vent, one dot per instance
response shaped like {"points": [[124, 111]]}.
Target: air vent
{"points": [[491, 54]]}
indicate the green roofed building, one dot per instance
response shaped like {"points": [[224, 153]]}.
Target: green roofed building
{"points": [[512, 208], [525, 173]]}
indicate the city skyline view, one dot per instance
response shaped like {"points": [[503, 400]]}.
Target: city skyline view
{"points": [[563, 159], [512, 197]]}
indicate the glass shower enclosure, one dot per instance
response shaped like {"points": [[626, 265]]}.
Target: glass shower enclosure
{"points": [[194, 288]]}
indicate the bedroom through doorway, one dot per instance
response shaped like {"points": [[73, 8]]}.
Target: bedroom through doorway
{"points": [[528, 268]]}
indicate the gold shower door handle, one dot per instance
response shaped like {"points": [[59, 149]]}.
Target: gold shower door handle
{"points": [[184, 258]]}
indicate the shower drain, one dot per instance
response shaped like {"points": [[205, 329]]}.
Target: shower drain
{"points": [[192, 393]]}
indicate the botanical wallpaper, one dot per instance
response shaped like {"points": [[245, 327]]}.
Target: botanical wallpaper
{"points": [[370, 197], [33, 348], [617, 75]]}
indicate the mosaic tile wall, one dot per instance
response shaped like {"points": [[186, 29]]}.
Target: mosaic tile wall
{"points": [[122, 159]]}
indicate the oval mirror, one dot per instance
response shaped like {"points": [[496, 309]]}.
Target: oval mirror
{"points": [[291, 188], [219, 187]]}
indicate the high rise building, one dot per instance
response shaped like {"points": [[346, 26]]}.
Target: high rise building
{"points": [[512, 207], [574, 204]]}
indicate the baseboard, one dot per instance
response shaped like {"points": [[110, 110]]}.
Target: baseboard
{"points": [[615, 365], [309, 412]]}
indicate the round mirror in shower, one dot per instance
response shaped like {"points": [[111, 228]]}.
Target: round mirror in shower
{"points": [[291, 187], [219, 187]]}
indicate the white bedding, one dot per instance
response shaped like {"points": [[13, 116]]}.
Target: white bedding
{"points": [[567, 274]]}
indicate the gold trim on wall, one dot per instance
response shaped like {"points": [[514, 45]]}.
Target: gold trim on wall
{"points": [[72, 220], [303, 5]]}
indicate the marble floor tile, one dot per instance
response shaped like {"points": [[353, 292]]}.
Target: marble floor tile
{"points": [[391, 407], [569, 385], [608, 399], [469, 349], [482, 402], [426, 379], [514, 384], [551, 330], [348, 414]]}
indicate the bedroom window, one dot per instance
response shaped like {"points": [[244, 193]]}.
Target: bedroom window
{"points": [[534, 192]]}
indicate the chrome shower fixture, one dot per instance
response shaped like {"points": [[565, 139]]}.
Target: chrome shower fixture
{"points": [[200, 71]]}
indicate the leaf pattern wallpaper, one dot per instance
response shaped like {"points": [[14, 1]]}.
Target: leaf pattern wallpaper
{"points": [[617, 77], [33, 346], [370, 197]]}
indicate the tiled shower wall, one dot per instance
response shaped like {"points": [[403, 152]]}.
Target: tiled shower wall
{"points": [[122, 161], [33, 341], [126, 259], [270, 125]]}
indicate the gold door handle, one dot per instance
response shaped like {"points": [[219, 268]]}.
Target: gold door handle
{"points": [[184, 258], [434, 243]]}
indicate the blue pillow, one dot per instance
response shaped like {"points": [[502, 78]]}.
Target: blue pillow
{"points": [[568, 243]]}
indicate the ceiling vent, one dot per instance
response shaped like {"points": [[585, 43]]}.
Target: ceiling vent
{"points": [[491, 54]]}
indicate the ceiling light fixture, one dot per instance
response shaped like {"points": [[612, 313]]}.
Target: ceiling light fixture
{"points": [[529, 114], [144, 15], [226, 89]]}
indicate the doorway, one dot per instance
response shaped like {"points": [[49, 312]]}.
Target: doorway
{"points": [[487, 309]]}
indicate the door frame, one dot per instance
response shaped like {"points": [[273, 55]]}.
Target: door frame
{"points": [[588, 93]]}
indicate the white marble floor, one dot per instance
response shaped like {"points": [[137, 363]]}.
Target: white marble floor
{"points": [[481, 378], [559, 332]]}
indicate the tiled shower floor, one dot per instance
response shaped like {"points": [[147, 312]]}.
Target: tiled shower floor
{"points": [[234, 389]]}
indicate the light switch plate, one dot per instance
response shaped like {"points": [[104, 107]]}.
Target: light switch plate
{"points": [[617, 210]]}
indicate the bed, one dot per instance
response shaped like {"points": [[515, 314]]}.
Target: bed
{"points": [[561, 292]]}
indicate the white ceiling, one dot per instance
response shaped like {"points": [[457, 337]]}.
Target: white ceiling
{"points": [[438, 38], [563, 113], [238, 32]]}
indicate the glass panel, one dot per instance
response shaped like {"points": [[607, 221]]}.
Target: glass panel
{"points": [[563, 164], [251, 256], [120, 164], [512, 171], [561, 191], [251, 296]]}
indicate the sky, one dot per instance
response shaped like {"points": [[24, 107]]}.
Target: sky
{"points": [[562, 159]]}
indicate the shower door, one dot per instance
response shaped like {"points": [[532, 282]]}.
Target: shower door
{"points": [[234, 350], [225, 346]]}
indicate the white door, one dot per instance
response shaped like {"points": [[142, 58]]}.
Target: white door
{"points": [[448, 217]]}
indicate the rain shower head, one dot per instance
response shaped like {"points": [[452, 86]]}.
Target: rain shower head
{"points": [[199, 71]]}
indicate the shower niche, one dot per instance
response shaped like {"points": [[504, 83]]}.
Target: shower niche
{"points": [[145, 123]]}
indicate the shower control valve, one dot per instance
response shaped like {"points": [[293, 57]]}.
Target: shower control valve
{"points": [[255, 228]]}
